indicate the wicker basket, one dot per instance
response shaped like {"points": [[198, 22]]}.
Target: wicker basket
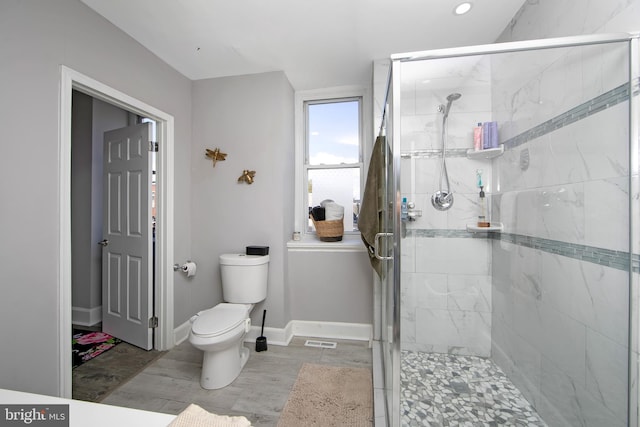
{"points": [[329, 231]]}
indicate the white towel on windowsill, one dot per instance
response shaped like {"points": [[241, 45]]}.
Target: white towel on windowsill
{"points": [[195, 416], [332, 211]]}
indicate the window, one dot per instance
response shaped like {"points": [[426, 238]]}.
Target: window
{"points": [[333, 156]]}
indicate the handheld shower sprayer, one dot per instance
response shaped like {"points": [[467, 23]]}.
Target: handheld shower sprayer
{"points": [[450, 99], [443, 198]]}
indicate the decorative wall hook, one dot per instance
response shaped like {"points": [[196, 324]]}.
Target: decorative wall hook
{"points": [[247, 176], [216, 155]]}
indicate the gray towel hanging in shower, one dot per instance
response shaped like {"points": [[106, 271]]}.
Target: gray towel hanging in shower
{"points": [[370, 218]]}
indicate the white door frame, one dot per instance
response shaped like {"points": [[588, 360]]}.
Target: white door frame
{"points": [[164, 337]]}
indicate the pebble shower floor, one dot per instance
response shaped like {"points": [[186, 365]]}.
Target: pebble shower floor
{"points": [[452, 390]]}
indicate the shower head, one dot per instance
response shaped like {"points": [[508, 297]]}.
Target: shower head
{"points": [[452, 97]]}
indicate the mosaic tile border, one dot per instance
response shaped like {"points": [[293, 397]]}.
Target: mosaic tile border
{"points": [[444, 233], [619, 260], [434, 153], [609, 258], [582, 111]]}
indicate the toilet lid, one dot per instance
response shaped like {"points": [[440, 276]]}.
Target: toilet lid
{"points": [[219, 319]]}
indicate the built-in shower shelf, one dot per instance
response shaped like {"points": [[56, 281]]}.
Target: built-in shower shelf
{"points": [[486, 154], [495, 227]]}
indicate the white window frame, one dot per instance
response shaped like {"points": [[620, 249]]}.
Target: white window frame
{"points": [[327, 95]]}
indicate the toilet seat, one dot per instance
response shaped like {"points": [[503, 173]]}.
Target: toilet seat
{"points": [[220, 319]]}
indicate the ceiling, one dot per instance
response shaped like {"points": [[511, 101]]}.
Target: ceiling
{"points": [[316, 43]]}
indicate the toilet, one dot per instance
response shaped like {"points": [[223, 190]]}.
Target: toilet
{"points": [[219, 331]]}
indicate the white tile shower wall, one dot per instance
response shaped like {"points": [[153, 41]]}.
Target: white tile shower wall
{"points": [[558, 314], [571, 316], [446, 284]]}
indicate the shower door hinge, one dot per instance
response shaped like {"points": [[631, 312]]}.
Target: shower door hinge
{"points": [[153, 146], [153, 322]]}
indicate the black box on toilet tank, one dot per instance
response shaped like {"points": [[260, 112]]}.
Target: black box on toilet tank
{"points": [[257, 250]]}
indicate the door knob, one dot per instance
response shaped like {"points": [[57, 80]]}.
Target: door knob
{"points": [[104, 242]]}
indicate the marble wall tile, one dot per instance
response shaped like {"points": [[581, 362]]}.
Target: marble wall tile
{"points": [[603, 68], [607, 366], [527, 213], [528, 318], [592, 294], [564, 343], [467, 207], [564, 403], [519, 359], [448, 255], [469, 293], [424, 178], [425, 290], [408, 99], [567, 17], [603, 142], [462, 332], [562, 213], [605, 200], [525, 268], [419, 132], [408, 254]]}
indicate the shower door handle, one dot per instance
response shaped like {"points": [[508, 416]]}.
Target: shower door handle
{"points": [[376, 246]]}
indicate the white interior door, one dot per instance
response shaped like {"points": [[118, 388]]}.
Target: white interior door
{"points": [[127, 294]]}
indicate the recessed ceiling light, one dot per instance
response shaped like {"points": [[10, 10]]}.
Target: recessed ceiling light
{"points": [[462, 8]]}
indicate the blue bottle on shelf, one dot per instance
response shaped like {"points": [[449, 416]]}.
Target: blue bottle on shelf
{"points": [[404, 211]]}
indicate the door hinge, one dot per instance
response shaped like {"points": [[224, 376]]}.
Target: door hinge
{"points": [[153, 322], [153, 146]]}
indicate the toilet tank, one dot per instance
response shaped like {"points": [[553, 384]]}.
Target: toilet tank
{"points": [[244, 278]]}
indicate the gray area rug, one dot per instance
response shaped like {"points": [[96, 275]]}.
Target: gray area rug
{"points": [[330, 396]]}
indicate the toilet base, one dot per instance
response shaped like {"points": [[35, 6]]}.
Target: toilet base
{"points": [[220, 368]]}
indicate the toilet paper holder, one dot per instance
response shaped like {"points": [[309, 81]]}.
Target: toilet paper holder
{"points": [[182, 267]]}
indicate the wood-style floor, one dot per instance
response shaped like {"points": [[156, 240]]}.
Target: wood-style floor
{"points": [[172, 382]]}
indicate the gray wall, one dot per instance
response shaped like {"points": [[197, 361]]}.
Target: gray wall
{"points": [[331, 286], [251, 119], [36, 38]]}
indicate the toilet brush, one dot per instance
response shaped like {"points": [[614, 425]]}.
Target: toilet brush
{"points": [[261, 341]]}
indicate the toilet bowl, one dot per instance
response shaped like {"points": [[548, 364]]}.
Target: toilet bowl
{"points": [[220, 331]]}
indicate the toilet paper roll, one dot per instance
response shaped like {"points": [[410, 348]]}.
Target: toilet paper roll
{"points": [[189, 268]]}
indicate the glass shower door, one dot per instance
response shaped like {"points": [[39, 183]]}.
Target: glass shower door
{"points": [[390, 280]]}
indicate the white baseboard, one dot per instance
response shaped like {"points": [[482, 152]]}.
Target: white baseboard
{"points": [[335, 330], [275, 336], [181, 333], [297, 328], [86, 316]]}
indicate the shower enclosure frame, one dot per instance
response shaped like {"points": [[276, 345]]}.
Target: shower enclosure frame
{"points": [[391, 360]]}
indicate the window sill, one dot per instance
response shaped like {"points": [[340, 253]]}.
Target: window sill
{"points": [[309, 242]]}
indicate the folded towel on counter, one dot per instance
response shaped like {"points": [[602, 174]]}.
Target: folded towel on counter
{"points": [[195, 416]]}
